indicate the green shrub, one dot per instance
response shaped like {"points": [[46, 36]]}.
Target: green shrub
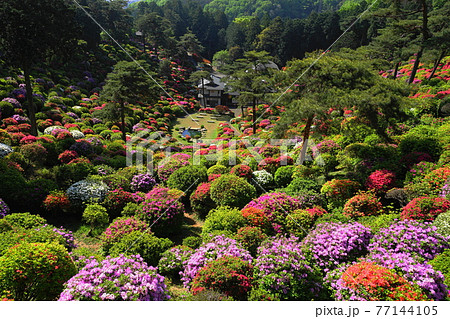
{"points": [[131, 209], [172, 260], [192, 241], [11, 186], [95, 215], [25, 220], [5, 226], [375, 223], [223, 218], [218, 169], [187, 178], [334, 217], [250, 238], [148, 246], [283, 175], [302, 186], [442, 223], [442, 263], [299, 223], [35, 271], [201, 202], [230, 190]]}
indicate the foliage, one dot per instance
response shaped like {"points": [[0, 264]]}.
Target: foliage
{"points": [[283, 175], [25, 220], [250, 238], [363, 204], [425, 208], [145, 244], [95, 215], [187, 178], [229, 275], [35, 271], [281, 270], [119, 278], [442, 263], [231, 190], [192, 241], [201, 201], [119, 228], [299, 222], [171, 262], [442, 224], [169, 165], [223, 220], [337, 192], [375, 223]]}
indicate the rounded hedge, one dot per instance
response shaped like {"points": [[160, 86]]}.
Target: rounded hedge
{"points": [[223, 220], [187, 178], [425, 208], [231, 190]]}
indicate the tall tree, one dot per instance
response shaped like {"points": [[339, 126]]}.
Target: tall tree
{"points": [[154, 28], [33, 30], [127, 84]]}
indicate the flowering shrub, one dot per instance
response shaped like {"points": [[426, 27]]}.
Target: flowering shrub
{"points": [[422, 274], [145, 244], [119, 228], [35, 153], [441, 263], [381, 180], [431, 183], [299, 223], [4, 209], [229, 275], [442, 224], [363, 204], [230, 190], [219, 246], [276, 206], [338, 191], [201, 201], [410, 236], [333, 243], [241, 170], [368, 281], [118, 278], [250, 238], [85, 191], [5, 150], [223, 220], [262, 179], [217, 169], [169, 165], [328, 146], [425, 208], [257, 218], [56, 201], [142, 183], [187, 178], [67, 156], [171, 262], [42, 266], [162, 210], [116, 200], [281, 271]]}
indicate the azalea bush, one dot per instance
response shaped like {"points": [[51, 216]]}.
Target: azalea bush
{"points": [[241, 170], [231, 190], [4, 209], [283, 175], [56, 202], [116, 200], [120, 278], [419, 239], [201, 201], [282, 272], [35, 271], [276, 206], [142, 183], [250, 238], [363, 204], [169, 165], [85, 191], [370, 282], [223, 220], [215, 248], [442, 224], [425, 208], [171, 262], [337, 191], [162, 210], [381, 180], [263, 179], [187, 178], [229, 275], [331, 244], [119, 228]]}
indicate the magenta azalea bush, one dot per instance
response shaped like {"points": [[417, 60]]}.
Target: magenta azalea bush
{"points": [[281, 272], [331, 244], [117, 279], [276, 206], [142, 183], [119, 228], [169, 165], [219, 246]]}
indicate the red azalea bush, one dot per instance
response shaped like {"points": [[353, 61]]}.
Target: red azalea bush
{"points": [[67, 156], [425, 208], [250, 238], [316, 211], [201, 201], [269, 164], [119, 228], [368, 281], [56, 201], [242, 170], [436, 179], [338, 191], [229, 275], [116, 200], [363, 204], [381, 180], [256, 217]]}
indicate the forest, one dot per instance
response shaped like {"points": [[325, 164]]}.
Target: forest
{"points": [[224, 150]]}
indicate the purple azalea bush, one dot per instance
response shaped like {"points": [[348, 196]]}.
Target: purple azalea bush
{"points": [[4, 209], [423, 274], [120, 278], [219, 246], [409, 236], [142, 183], [281, 270], [331, 244], [171, 262]]}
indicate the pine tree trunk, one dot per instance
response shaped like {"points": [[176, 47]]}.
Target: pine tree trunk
{"points": [[436, 64], [31, 108], [416, 66], [122, 118], [306, 134], [254, 115], [397, 65]]}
